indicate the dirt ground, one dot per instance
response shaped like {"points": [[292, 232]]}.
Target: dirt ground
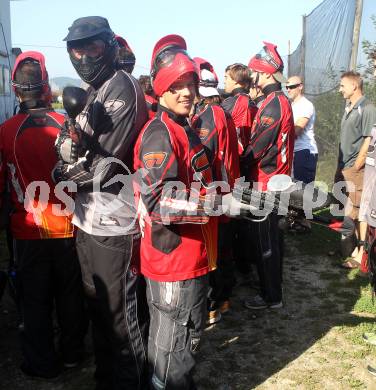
{"points": [[314, 342]]}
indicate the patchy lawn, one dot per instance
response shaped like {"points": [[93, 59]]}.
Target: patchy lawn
{"points": [[314, 342]]}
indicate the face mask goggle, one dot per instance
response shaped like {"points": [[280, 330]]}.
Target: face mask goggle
{"points": [[265, 55], [27, 86], [93, 49], [208, 83], [165, 58]]}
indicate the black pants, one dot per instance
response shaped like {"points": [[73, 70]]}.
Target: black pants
{"points": [[48, 272], [177, 316], [267, 241], [116, 298], [244, 251], [222, 280]]}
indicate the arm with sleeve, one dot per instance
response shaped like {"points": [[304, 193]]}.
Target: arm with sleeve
{"points": [[368, 119], [114, 135], [165, 203]]}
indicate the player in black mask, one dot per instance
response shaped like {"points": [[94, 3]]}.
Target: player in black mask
{"points": [[92, 49]]}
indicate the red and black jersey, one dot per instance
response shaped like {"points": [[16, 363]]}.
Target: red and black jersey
{"points": [[28, 155], [217, 133], [179, 239], [242, 111], [271, 146], [151, 105]]}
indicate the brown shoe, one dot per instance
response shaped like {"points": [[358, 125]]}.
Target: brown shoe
{"points": [[213, 317], [225, 307]]}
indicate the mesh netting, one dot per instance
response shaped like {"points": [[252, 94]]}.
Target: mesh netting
{"points": [[327, 46], [322, 55]]}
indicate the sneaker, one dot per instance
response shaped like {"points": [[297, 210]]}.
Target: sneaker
{"points": [[275, 305], [257, 303], [225, 307], [371, 370], [370, 338], [213, 317]]}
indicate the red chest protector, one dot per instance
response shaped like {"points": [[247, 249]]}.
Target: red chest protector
{"points": [[187, 247]]}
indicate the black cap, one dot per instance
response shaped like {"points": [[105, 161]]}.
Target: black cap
{"points": [[87, 27]]}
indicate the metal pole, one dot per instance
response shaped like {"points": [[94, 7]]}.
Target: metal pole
{"points": [[356, 34], [302, 59], [288, 59]]}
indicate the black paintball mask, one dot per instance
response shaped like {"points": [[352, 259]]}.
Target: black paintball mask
{"points": [[93, 58], [92, 49]]}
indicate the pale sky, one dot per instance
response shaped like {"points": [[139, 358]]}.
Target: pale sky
{"points": [[222, 32]]}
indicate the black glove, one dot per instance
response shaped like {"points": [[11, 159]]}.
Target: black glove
{"points": [[57, 172], [71, 142], [66, 148]]}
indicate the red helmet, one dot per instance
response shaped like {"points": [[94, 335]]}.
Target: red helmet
{"points": [[267, 60], [30, 85], [170, 61], [203, 64], [171, 40]]}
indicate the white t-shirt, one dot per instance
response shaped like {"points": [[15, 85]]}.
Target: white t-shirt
{"points": [[303, 108]]}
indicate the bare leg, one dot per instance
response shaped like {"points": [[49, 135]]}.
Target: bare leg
{"points": [[357, 234]]}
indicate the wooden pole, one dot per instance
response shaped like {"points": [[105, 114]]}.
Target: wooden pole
{"points": [[303, 55], [356, 34]]}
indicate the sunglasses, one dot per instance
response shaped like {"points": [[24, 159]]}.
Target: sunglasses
{"points": [[293, 86]]}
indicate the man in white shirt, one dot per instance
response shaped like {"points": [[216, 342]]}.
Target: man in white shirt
{"points": [[305, 149]]}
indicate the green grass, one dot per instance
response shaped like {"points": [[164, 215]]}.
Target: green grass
{"points": [[319, 242], [326, 167], [57, 105], [357, 294]]}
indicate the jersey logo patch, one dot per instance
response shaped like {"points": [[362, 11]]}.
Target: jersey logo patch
{"points": [[202, 133], [201, 166], [200, 161], [267, 120], [113, 106], [154, 159]]}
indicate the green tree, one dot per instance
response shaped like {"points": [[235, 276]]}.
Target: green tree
{"points": [[368, 48]]}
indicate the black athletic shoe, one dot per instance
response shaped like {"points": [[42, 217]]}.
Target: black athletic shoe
{"points": [[258, 303]]}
